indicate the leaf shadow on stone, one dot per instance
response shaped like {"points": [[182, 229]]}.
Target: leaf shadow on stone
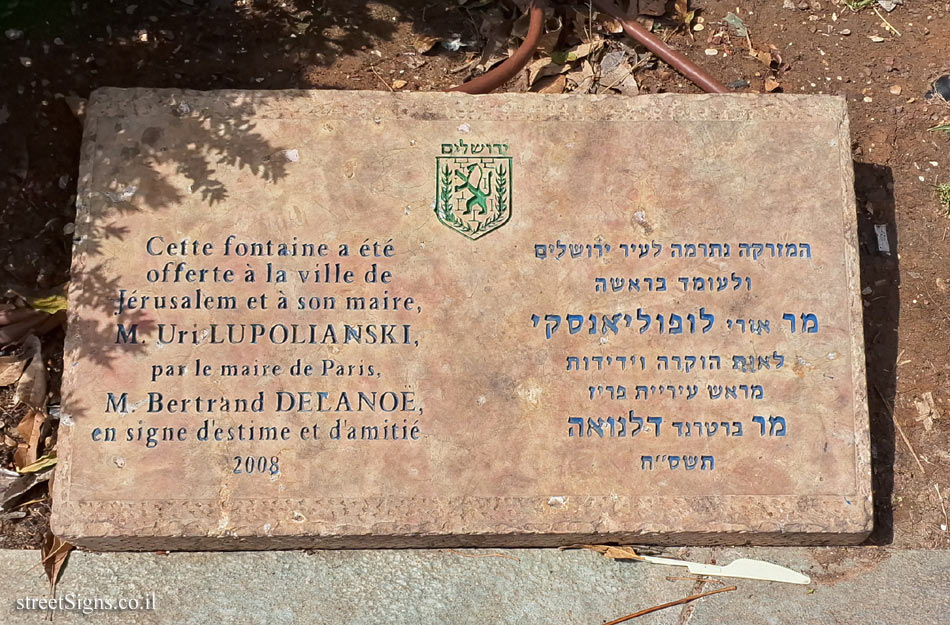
{"points": [[874, 188], [77, 47], [153, 168]]}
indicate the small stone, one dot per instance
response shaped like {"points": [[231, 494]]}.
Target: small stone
{"points": [[399, 84], [711, 51], [699, 27], [13, 34], [876, 39], [844, 32], [739, 84], [26, 61], [788, 4], [896, 90], [867, 98]]}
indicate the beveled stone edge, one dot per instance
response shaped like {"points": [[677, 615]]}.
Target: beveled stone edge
{"points": [[437, 105], [62, 477], [467, 521], [419, 540], [861, 414]]}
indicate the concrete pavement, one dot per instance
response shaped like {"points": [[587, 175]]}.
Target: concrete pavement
{"points": [[850, 586]]}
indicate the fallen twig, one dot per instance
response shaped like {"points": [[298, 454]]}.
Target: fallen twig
{"points": [[670, 605], [886, 23], [388, 86], [890, 409]]}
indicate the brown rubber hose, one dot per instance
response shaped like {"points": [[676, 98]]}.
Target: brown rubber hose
{"points": [[683, 65], [492, 79]]}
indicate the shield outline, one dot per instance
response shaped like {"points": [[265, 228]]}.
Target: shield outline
{"points": [[438, 188]]}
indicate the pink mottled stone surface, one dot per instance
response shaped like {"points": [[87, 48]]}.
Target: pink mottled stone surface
{"points": [[498, 457]]}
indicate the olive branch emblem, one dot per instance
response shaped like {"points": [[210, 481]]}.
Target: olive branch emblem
{"points": [[444, 208], [501, 195]]}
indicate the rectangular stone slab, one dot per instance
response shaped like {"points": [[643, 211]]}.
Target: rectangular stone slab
{"points": [[529, 320]]}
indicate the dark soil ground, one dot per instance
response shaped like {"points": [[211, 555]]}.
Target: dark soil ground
{"points": [[67, 49]]}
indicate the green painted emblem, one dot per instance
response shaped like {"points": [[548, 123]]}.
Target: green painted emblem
{"points": [[473, 193]]}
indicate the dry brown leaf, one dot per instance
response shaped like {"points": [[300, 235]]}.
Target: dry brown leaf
{"points": [[617, 74], [30, 429], [621, 79], [762, 55], [31, 389], [583, 79], [770, 57], [13, 489], [578, 52], [13, 315], [771, 84], [551, 84], [544, 67], [11, 367], [55, 553], [42, 463], [614, 553], [610, 24], [11, 333], [424, 43]]}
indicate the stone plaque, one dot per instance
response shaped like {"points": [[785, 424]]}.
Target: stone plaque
{"points": [[353, 319]]}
